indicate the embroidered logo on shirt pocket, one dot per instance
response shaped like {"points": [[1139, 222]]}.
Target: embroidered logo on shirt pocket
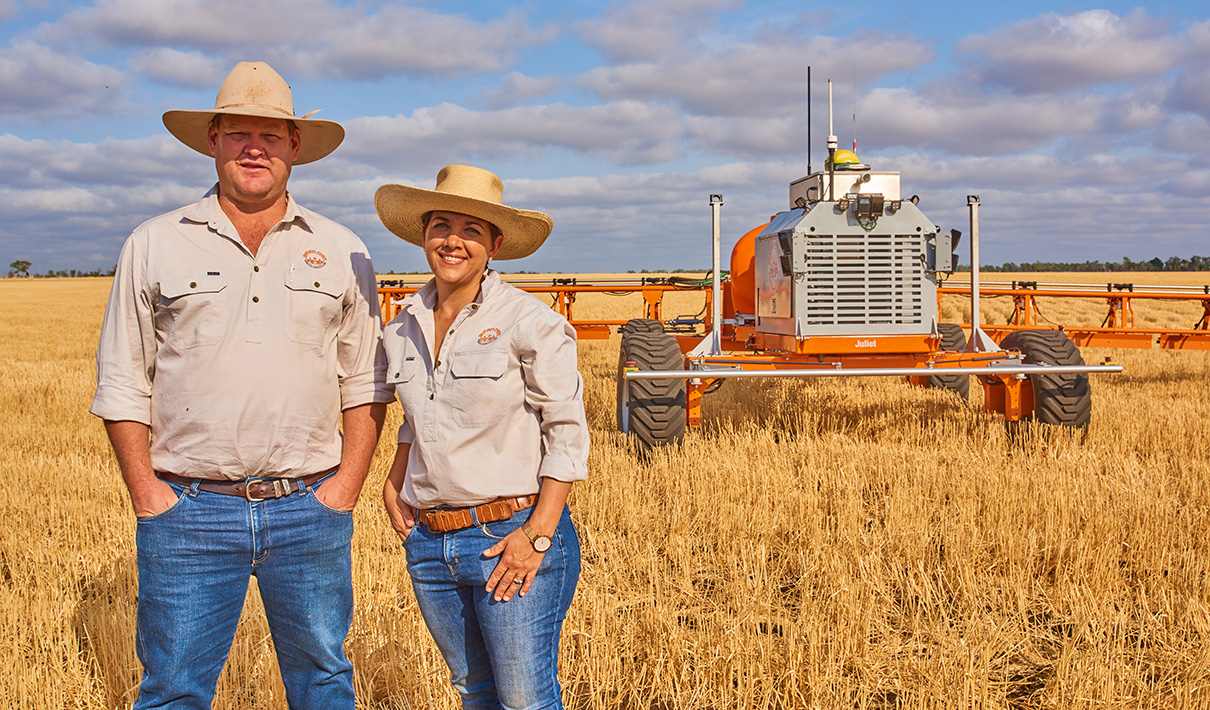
{"points": [[198, 314], [479, 392], [314, 305]]}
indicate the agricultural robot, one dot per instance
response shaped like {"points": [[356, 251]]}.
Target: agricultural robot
{"points": [[842, 284]]}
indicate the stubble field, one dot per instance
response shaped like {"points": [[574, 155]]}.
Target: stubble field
{"points": [[817, 544]]}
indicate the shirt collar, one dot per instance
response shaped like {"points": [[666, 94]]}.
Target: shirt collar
{"points": [[426, 297], [208, 211]]}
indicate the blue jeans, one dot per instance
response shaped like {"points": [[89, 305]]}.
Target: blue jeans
{"points": [[195, 560], [500, 654]]}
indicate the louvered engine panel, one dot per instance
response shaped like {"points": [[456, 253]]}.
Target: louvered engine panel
{"points": [[862, 279]]}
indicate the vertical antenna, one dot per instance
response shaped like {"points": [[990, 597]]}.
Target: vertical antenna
{"points": [[831, 164], [854, 108], [808, 119]]}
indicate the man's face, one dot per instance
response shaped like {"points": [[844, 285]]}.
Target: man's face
{"points": [[253, 156]]}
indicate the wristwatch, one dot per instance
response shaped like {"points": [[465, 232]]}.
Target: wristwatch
{"points": [[541, 543]]}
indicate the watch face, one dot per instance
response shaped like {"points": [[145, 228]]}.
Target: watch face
{"points": [[542, 543]]}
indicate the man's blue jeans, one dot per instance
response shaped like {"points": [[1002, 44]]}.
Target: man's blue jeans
{"points": [[500, 654], [195, 560]]}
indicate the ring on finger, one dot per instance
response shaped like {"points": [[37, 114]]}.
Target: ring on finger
{"points": [[517, 580]]}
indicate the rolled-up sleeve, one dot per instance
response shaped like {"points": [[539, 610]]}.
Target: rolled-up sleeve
{"points": [[361, 360], [127, 350], [554, 388]]}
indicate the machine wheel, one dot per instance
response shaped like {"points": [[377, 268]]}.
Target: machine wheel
{"points": [[1062, 400], [952, 338], [655, 411], [642, 325]]}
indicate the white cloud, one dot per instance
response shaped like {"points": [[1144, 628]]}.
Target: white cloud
{"points": [[415, 41], [627, 132], [202, 24], [36, 82], [316, 38], [41, 164], [515, 88], [177, 68], [975, 124], [766, 78], [1140, 109], [763, 136], [1057, 52], [647, 30], [1192, 89], [1186, 135]]}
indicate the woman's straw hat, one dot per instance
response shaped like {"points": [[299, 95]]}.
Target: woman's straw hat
{"points": [[468, 190], [254, 89]]}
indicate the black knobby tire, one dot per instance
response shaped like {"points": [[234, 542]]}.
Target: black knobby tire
{"points": [[1062, 400], [655, 415], [642, 325], [952, 338]]}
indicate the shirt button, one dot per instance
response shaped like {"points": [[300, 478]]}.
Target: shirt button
{"points": [[437, 364], [256, 299], [430, 396], [316, 284], [193, 284], [256, 268], [474, 306], [396, 374]]}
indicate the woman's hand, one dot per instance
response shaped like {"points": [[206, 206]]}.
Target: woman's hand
{"points": [[518, 565], [401, 515]]}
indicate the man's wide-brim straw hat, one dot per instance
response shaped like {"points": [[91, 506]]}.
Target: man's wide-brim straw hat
{"points": [[254, 89], [467, 190]]}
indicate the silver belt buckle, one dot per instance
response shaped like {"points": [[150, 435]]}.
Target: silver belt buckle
{"points": [[281, 487]]}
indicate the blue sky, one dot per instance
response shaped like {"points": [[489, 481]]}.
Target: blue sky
{"points": [[1084, 128]]}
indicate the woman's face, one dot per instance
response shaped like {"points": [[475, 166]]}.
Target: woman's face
{"points": [[458, 246]]}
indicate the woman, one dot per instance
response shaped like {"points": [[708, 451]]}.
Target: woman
{"points": [[494, 437]]}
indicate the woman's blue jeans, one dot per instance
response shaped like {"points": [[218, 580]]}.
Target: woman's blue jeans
{"points": [[500, 654], [195, 560]]}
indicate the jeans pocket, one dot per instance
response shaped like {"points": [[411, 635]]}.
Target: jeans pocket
{"points": [[320, 504], [502, 528], [181, 495]]}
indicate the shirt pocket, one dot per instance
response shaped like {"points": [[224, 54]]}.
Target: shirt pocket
{"points": [[197, 313], [401, 375], [314, 307], [482, 388]]}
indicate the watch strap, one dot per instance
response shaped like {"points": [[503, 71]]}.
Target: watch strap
{"points": [[534, 536]]}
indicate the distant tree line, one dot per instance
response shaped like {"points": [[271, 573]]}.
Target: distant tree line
{"points": [[52, 274], [20, 268], [1172, 263]]}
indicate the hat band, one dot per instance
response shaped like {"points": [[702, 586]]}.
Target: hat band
{"points": [[276, 109]]}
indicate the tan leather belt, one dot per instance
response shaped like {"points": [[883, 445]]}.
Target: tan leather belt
{"points": [[254, 488], [448, 519]]}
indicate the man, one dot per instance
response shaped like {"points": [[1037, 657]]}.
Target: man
{"points": [[240, 332]]}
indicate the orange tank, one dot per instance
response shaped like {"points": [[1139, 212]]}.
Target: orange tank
{"points": [[743, 278]]}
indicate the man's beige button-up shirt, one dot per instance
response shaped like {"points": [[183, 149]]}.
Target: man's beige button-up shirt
{"points": [[500, 407], [240, 365]]}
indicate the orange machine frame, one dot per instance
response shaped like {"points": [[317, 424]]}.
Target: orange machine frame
{"points": [[1010, 395]]}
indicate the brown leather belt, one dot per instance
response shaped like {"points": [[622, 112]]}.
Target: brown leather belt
{"points": [[448, 519], [254, 488]]}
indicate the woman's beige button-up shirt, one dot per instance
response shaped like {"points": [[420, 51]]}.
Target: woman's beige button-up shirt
{"points": [[500, 407]]}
